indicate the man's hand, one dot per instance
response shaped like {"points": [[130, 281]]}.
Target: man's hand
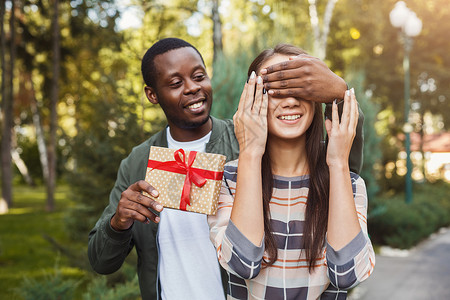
{"points": [[304, 77], [134, 206]]}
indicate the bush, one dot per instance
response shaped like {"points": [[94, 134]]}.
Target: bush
{"points": [[52, 287], [99, 290], [397, 224], [108, 288]]}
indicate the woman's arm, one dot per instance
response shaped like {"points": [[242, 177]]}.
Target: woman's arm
{"points": [[343, 223], [250, 123], [237, 230], [350, 255]]}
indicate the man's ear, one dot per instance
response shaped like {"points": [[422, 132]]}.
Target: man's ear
{"points": [[151, 95]]}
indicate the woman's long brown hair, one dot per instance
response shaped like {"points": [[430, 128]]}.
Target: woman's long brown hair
{"points": [[316, 215]]}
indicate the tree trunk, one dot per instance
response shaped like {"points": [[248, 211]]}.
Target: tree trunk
{"points": [[18, 161], [42, 147], [21, 166], [3, 199], [321, 35], [314, 20], [7, 107], [422, 136], [53, 109], [217, 30], [326, 27]]}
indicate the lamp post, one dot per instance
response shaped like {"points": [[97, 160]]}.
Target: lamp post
{"points": [[410, 25]]}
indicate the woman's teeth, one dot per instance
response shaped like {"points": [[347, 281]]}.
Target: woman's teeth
{"points": [[195, 105], [290, 117]]}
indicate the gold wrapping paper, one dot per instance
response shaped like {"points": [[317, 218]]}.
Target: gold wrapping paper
{"points": [[170, 184]]}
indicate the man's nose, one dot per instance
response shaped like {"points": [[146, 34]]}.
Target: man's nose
{"points": [[191, 87]]}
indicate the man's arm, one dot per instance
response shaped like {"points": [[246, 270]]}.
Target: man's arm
{"points": [[309, 78]]}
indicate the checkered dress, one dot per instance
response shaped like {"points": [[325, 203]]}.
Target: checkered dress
{"points": [[288, 277]]}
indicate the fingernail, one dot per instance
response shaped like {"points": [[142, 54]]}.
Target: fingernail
{"points": [[159, 207], [353, 91], [253, 75], [259, 80], [271, 92], [264, 90], [154, 193], [334, 101], [347, 92], [263, 71], [157, 219]]}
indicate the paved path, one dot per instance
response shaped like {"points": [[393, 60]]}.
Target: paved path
{"points": [[424, 274]]}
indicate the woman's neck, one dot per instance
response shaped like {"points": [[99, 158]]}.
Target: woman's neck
{"points": [[288, 157]]}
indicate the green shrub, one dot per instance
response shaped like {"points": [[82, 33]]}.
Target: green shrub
{"points": [[397, 224], [103, 288], [52, 287], [100, 290]]}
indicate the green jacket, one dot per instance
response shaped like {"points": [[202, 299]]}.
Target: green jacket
{"points": [[108, 248]]}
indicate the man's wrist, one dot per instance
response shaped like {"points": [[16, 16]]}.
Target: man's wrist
{"points": [[340, 93], [115, 226]]}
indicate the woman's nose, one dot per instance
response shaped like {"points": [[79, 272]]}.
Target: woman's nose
{"points": [[289, 102]]}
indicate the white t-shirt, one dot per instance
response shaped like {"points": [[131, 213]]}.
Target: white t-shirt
{"points": [[188, 266]]}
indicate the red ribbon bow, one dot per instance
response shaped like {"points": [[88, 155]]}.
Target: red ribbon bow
{"points": [[195, 175]]}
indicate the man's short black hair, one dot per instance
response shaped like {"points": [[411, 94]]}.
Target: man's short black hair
{"points": [[160, 47]]}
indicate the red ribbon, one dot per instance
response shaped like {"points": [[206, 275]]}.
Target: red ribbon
{"points": [[195, 175]]}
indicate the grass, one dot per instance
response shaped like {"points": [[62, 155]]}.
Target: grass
{"points": [[24, 250]]}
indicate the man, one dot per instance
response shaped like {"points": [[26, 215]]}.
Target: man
{"points": [[176, 260]]}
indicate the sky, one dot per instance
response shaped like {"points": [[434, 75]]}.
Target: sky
{"points": [[131, 16]]}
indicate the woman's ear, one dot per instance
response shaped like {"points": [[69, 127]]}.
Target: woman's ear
{"points": [[151, 95]]}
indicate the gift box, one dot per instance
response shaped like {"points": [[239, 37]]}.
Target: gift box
{"points": [[186, 180]]}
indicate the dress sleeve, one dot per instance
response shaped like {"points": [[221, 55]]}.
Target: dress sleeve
{"points": [[235, 252], [355, 262]]}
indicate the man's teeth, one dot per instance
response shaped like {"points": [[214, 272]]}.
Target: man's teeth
{"points": [[195, 105], [290, 117]]}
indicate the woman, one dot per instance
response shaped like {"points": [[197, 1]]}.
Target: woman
{"points": [[291, 222]]}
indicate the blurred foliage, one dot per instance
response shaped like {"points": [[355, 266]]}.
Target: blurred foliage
{"points": [[400, 225], [30, 155], [230, 75], [104, 139], [101, 60], [372, 167]]}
